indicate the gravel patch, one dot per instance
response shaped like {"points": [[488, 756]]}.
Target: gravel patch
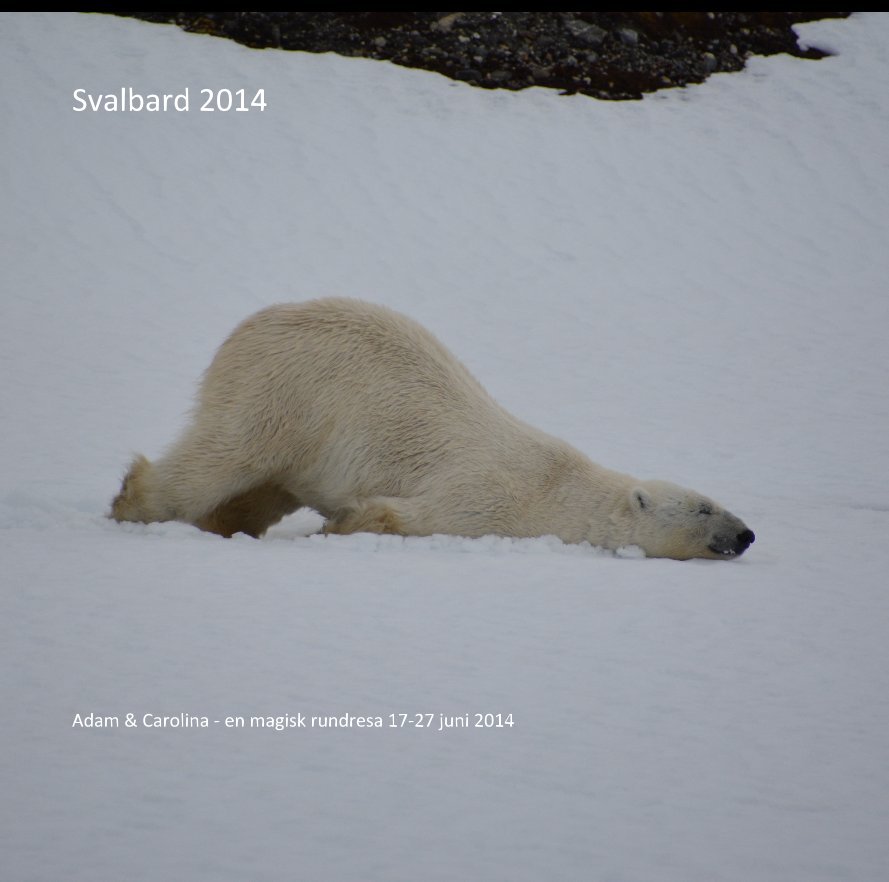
{"points": [[613, 55]]}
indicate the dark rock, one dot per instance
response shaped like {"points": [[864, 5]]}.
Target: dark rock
{"points": [[628, 36], [586, 33]]}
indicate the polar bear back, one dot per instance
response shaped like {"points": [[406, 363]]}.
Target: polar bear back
{"points": [[355, 398]]}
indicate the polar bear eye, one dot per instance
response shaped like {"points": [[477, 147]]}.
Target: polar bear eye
{"points": [[705, 510]]}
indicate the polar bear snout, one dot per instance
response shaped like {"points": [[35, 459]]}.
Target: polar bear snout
{"points": [[732, 546]]}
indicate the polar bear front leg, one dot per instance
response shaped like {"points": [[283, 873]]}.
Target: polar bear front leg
{"points": [[377, 514]]}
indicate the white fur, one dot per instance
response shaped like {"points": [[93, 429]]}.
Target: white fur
{"points": [[361, 414]]}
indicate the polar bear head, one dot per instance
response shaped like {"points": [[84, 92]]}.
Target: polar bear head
{"points": [[672, 521]]}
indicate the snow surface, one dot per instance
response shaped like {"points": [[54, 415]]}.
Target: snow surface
{"points": [[690, 287]]}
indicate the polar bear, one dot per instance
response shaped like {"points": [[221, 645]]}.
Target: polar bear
{"points": [[361, 414]]}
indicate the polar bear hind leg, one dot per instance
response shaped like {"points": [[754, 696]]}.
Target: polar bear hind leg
{"points": [[208, 495], [252, 512]]}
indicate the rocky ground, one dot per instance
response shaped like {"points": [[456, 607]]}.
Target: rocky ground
{"points": [[615, 55]]}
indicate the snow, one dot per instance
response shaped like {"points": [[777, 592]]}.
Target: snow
{"points": [[690, 287]]}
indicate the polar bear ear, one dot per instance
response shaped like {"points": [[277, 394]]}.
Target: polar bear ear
{"points": [[640, 499]]}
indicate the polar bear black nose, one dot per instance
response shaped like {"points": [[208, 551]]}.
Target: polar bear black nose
{"points": [[745, 540]]}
